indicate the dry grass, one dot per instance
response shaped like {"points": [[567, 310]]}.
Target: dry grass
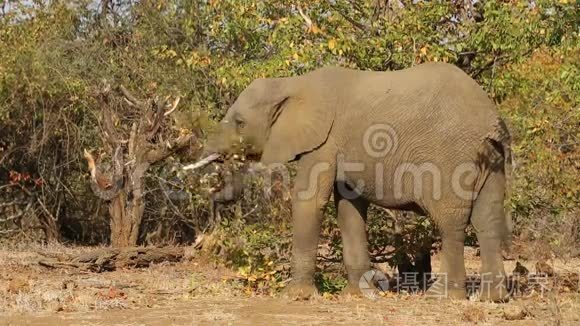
{"points": [[194, 291], [473, 314], [26, 287]]}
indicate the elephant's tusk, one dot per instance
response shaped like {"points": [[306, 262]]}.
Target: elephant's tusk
{"points": [[202, 162]]}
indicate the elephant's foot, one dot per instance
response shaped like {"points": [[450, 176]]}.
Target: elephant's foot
{"points": [[299, 290], [494, 289], [447, 290]]}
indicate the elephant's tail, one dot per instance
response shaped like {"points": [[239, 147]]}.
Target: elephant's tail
{"points": [[500, 139], [506, 145]]}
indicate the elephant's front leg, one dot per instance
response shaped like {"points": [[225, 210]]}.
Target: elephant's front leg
{"points": [[352, 214], [312, 188]]}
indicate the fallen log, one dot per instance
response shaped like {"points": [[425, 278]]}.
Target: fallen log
{"points": [[144, 257], [110, 259]]}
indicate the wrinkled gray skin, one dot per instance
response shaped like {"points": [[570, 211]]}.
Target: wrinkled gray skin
{"points": [[441, 119]]}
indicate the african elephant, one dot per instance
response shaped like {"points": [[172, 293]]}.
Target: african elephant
{"points": [[425, 139]]}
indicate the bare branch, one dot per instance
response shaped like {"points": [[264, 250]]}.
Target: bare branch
{"points": [[92, 166], [173, 106], [15, 217], [344, 15], [133, 140], [4, 7], [111, 135], [163, 109], [202, 163], [107, 124], [158, 116], [159, 154], [305, 17], [105, 7], [45, 210], [104, 187], [131, 99]]}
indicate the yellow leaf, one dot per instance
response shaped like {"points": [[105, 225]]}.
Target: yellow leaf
{"points": [[327, 295], [424, 50], [331, 44], [295, 56]]}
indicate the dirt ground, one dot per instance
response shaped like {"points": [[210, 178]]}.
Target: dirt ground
{"points": [[192, 293]]}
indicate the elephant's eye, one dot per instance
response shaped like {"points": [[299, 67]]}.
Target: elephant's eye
{"points": [[240, 123]]}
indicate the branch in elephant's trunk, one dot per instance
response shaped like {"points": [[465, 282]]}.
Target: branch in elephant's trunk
{"points": [[203, 162]]}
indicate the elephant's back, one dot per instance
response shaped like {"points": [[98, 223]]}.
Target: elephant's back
{"points": [[436, 106], [425, 124], [432, 116]]}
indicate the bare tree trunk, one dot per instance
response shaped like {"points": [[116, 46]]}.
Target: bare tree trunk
{"points": [[118, 223], [126, 218], [125, 188]]}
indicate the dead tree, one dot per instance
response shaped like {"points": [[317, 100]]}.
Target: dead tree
{"points": [[123, 184]]}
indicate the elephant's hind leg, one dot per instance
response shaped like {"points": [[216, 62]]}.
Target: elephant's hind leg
{"points": [[488, 220], [352, 215], [452, 221]]}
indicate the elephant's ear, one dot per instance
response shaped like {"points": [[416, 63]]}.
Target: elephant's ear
{"points": [[302, 121]]}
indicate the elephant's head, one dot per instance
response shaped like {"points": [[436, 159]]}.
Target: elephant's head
{"points": [[274, 120]]}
